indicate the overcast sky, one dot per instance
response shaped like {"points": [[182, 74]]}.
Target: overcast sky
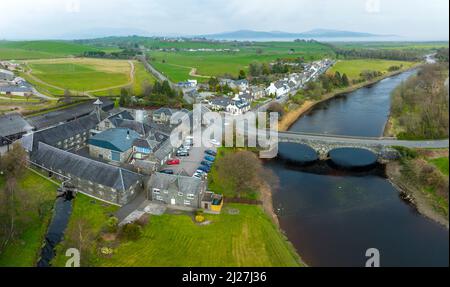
{"points": [[37, 19]]}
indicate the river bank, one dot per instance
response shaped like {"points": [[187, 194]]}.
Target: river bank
{"points": [[425, 203], [292, 116]]}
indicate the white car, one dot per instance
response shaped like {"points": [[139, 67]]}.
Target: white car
{"points": [[215, 142]]}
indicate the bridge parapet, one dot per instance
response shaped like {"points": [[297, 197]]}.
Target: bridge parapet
{"points": [[324, 147]]}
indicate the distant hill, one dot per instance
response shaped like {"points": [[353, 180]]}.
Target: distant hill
{"points": [[316, 33]]}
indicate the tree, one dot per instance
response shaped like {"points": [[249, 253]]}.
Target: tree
{"points": [[242, 75], [345, 80], [275, 107], [242, 171], [124, 97]]}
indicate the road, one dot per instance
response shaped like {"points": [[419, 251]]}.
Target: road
{"points": [[387, 142], [160, 76]]}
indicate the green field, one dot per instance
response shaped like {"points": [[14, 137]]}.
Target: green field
{"points": [[26, 50], [442, 164], [81, 74], [24, 251], [353, 68], [140, 76], [245, 239], [177, 65]]}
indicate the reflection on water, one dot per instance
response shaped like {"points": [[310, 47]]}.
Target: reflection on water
{"points": [[333, 216]]}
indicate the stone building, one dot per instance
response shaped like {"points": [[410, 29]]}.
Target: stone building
{"points": [[175, 191], [100, 180]]}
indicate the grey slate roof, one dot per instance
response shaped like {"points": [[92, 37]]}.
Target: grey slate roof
{"points": [[60, 116], [58, 133], [163, 150], [85, 168], [140, 128], [178, 183], [221, 101], [12, 124]]}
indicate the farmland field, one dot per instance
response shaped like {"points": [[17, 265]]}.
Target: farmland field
{"points": [[27, 50], [81, 74], [245, 239], [178, 65], [353, 68]]}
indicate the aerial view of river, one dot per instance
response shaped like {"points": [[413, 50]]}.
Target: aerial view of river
{"points": [[333, 216]]}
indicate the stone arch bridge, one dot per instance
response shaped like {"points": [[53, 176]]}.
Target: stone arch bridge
{"points": [[382, 147]]}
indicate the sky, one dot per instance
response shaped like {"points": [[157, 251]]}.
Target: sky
{"points": [[45, 19]]}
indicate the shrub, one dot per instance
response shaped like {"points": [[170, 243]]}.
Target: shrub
{"points": [[406, 153], [112, 224], [132, 231], [199, 218]]}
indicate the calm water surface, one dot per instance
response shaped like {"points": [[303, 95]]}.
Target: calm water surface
{"points": [[332, 216]]}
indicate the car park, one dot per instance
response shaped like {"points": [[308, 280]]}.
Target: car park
{"points": [[206, 163], [210, 158], [204, 168], [182, 153], [210, 152]]}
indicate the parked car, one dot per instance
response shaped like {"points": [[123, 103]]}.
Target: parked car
{"points": [[215, 142], [182, 153], [206, 163], [167, 171], [174, 161], [204, 168], [210, 152], [210, 158]]}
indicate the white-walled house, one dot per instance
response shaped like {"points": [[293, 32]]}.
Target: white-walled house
{"points": [[278, 89], [238, 106]]}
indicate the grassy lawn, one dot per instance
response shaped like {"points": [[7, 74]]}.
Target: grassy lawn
{"points": [[24, 251], [27, 50], [353, 68], [245, 239], [82, 74], [442, 164]]}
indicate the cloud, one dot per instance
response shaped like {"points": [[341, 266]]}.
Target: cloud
{"points": [[47, 18]]}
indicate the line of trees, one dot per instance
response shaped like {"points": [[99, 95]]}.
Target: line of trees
{"points": [[154, 95], [399, 55], [420, 105], [123, 54]]}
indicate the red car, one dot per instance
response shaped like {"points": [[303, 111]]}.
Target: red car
{"points": [[173, 161]]}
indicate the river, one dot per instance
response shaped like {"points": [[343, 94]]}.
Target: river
{"points": [[333, 216]]}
